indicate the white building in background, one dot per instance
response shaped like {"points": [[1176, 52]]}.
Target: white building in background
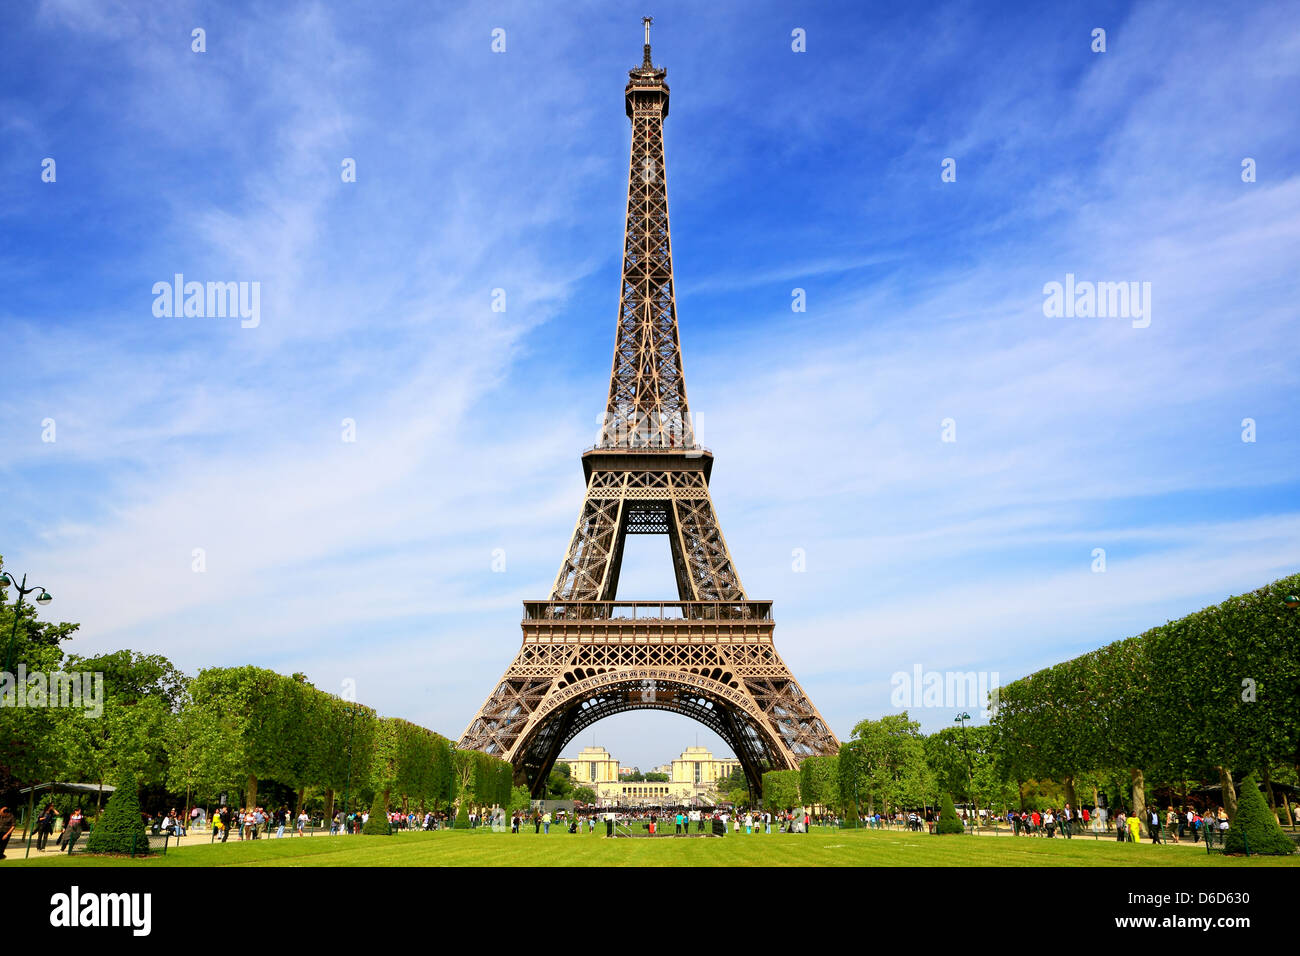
{"points": [[691, 778]]}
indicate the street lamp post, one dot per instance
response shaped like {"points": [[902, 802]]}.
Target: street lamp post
{"points": [[970, 776], [23, 590], [42, 599]]}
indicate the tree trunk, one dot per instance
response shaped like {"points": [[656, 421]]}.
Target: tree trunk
{"points": [[1140, 799], [1268, 788], [250, 793], [1229, 792], [1070, 796], [1020, 790], [302, 800], [329, 806], [1096, 799]]}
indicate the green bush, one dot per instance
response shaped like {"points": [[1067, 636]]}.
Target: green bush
{"points": [[949, 822], [462, 818], [377, 824], [1254, 829], [120, 828]]}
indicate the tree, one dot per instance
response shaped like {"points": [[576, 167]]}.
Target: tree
{"points": [[120, 829], [946, 758], [849, 778], [584, 795], [889, 761], [949, 822], [31, 750], [1254, 829], [736, 780], [377, 822], [241, 724], [131, 676], [819, 781], [558, 784], [781, 789], [128, 736]]}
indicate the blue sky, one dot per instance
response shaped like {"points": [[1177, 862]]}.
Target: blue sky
{"points": [[477, 170]]}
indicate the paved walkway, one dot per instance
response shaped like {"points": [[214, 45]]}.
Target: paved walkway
{"points": [[195, 837]]}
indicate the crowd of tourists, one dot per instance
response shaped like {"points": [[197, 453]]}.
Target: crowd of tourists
{"points": [[657, 821], [252, 823], [1167, 825]]}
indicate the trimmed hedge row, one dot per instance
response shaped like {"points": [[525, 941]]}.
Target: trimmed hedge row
{"points": [[1219, 688], [237, 725]]}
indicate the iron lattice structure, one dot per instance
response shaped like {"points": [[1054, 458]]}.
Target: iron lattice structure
{"points": [[709, 655]]}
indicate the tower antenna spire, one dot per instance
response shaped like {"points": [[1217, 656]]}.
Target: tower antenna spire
{"points": [[645, 63], [708, 653]]}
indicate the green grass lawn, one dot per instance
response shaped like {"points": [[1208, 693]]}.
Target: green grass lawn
{"points": [[822, 847]]}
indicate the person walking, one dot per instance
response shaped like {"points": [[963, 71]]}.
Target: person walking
{"points": [[45, 826], [73, 833], [7, 823]]}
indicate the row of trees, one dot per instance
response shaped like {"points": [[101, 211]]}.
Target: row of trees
{"points": [[887, 764], [246, 723], [1209, 697], [227, 730]]}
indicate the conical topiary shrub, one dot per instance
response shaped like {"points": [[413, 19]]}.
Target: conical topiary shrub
{"points": [[1254, 829], [377, 824], [462, 818], [949, 822], [120, 828]]}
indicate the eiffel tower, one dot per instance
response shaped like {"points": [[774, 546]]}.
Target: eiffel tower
{"points": [[709, 654]]}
